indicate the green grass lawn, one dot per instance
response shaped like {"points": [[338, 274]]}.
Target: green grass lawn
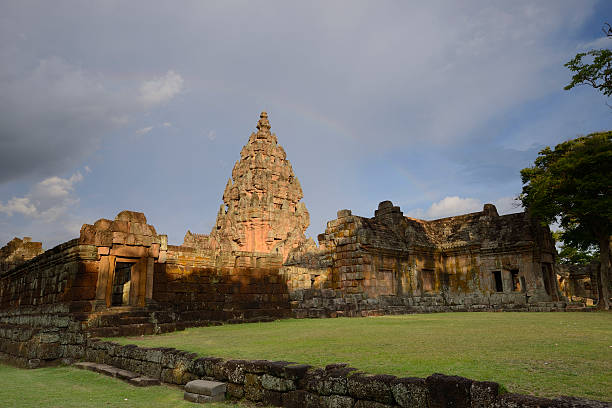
{"points": [[68, 387], [544, 354]]}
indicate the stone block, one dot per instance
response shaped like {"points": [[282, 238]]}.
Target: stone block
{"points": [[371, 387], [253, 390], [234, 371], [204, 387], [120, 226], [235, 391], [301, 399], [201, 399], [336, 401], [445, 391], [119, 237], [370, 404], [483, 394], [273, 383], [273, 398], [410, 392]]}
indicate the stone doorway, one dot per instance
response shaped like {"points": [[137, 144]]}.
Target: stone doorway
{"points": [[497, 280], [122, 283]]}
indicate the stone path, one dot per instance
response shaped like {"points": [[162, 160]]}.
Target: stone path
{"points": [[128, 376]]}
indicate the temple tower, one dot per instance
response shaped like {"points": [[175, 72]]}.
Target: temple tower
{"points": [[261, 209]]}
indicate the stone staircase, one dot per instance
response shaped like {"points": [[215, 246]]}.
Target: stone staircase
{"points": [[125, 375], [130, 321]]}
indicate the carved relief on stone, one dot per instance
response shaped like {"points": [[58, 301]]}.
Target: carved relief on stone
{"points": [[262, 211]]}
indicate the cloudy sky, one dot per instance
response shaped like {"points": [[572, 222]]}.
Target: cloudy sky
{"points": [[141, 105]]}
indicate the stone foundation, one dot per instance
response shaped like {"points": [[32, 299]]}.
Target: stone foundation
{"points": [[313, 303]]}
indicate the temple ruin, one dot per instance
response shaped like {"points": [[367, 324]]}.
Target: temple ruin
{"points": [[121, 277]]}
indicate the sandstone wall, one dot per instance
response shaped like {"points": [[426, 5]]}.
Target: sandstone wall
{"points": [[18, 251], [285, 384], [201, 288], [43, 303], [395, 264]]}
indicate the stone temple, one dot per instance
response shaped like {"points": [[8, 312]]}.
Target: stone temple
{"points": [[122, 277]]}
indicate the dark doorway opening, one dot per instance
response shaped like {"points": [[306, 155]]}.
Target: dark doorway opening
{"points": [[499, 286], [122, 284]]}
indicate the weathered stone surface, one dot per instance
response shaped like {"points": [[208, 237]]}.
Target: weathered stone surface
{"points": [[201, 399], [336, 401], [18, 251], [449, 391], [483, 393], [144, 381], [301, 399], [393, 264], [205, 387], [371, 387], [270, 382], [525, 401], [252, 387], [410, 392], [235, 391], [262, 211]]}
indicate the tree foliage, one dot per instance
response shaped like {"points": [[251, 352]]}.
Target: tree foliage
{"points": [[597, 74], [593, 68], [574, 255], [572, 185]]}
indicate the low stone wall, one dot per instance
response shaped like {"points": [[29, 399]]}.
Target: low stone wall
{"points": [[36, 336], [281, 383], [337, 303], [44, 303]]}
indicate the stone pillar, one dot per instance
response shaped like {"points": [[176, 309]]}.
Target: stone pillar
{"points": [[102, 283], [109, 282], [149, 282]]}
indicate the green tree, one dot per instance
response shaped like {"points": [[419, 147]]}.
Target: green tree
{"points": [[572, 185], [573, 254], [593, 68]]}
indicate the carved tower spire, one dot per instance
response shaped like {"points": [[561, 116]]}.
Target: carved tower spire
{"points": [[263, 212]]}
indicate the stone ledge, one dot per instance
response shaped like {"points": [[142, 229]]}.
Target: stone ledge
{"points": [[125, 375]]}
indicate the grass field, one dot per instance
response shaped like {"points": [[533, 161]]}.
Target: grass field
{"points": [[544, 354], [68, 387]]}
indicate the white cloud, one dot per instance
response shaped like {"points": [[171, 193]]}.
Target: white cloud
{"points": [[144, 130], [161, 89], [508, 205], [454, 205], [212, 135], [18, 205], [47, 201], [598, 43], [167, 124]]}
